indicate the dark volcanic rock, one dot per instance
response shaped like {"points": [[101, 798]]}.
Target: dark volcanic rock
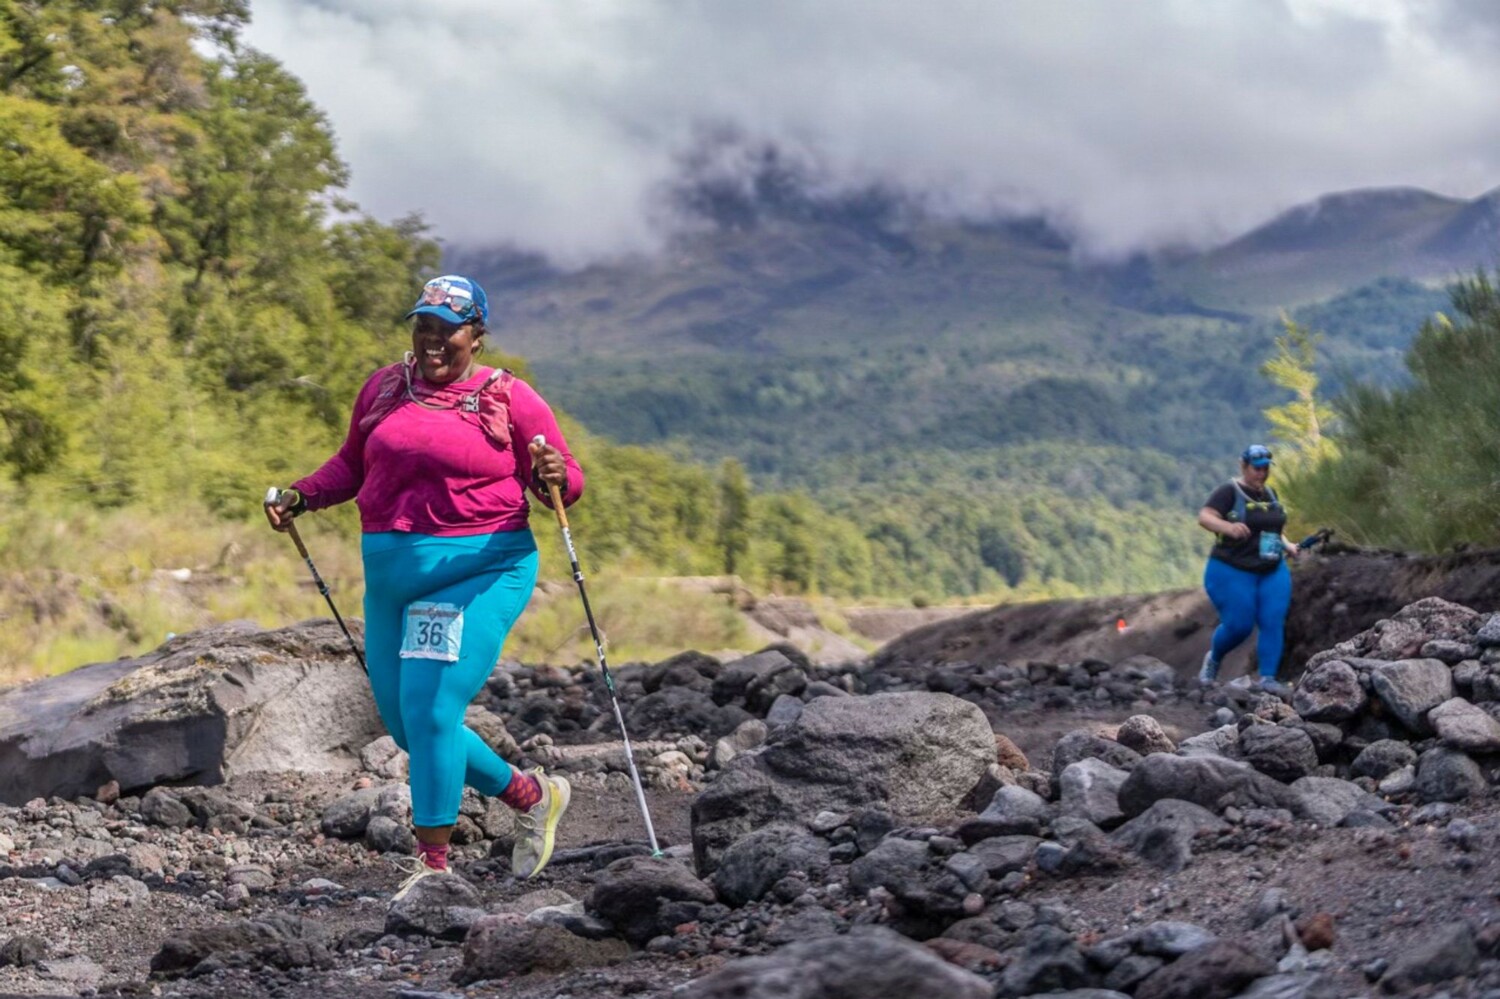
{"points": [[1213, 782], [507, 944], [749, 868], [280, 940], [867, 963], [631, 894], [1219, 970]]}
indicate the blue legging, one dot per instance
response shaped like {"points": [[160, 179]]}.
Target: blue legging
{"points": [[488, 578], [1246, 600]]}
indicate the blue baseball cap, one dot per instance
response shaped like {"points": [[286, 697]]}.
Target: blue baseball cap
{"points": [[453, 299], [1256, 456]]}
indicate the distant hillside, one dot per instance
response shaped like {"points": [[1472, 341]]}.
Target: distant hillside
{"points": [[1341, 241], [884, 359]]}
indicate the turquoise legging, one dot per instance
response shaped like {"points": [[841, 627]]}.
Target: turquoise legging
{"points": [[488, 579], [1246, 600]]}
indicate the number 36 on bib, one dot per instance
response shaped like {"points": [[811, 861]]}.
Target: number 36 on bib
{"points": [[432, 631]]}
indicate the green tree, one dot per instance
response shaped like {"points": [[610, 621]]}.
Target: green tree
{"points": [[734, 515], [1301, 425]]}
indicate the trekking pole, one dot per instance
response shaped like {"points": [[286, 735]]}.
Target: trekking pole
{"points": [[1315, 538], [273, 496], [609, 678]]}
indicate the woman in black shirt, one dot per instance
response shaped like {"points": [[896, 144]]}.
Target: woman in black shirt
{"points": [[1247, 579]]}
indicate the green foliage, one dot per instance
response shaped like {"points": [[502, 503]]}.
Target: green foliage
{"points": [[1417, 465], [1301, 425]]}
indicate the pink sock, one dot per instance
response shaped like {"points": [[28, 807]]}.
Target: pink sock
{"points": [[434, 855], [522, 792]]}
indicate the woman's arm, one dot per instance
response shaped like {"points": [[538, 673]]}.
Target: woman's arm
{"points": [[339, 478], [531, 416], [1211, 520]]}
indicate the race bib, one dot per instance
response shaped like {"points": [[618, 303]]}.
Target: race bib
{"points": [[1271, 548], [432, 631]]}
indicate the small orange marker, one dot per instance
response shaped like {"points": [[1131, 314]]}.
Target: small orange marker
{"points": [[1121, 627]]}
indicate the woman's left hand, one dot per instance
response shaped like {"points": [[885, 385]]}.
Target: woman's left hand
{"points": [[1293, 551], [549, 464]]}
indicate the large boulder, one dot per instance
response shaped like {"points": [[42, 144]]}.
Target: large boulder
{"points": [[1211, 781], [232, 698], [918, 754], [867, 963]]}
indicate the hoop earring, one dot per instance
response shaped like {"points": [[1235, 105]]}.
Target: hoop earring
{"points": [[479, 348]]}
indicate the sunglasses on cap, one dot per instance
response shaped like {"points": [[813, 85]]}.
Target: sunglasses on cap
{"points": [[1257, 455], [451, 297]]}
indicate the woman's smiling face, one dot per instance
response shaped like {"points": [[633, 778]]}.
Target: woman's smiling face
{"points": [[444, 352]]}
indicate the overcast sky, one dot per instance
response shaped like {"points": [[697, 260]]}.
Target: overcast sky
{"points": [[557, 124]]}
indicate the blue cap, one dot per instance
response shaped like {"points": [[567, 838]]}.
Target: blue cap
{"points": [[1256, 456], [453, 299]]}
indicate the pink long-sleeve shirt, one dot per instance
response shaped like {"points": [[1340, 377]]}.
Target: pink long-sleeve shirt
{"points": [[436, 471]]}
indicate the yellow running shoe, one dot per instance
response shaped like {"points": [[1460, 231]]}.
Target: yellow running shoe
{"points": [[536, 828], [416, 870]]}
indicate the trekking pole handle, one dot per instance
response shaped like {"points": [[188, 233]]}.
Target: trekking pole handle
{"points": [[273, 496], [555, 493]]}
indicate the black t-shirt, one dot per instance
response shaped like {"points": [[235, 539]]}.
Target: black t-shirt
{"points": [[1263, 514]]}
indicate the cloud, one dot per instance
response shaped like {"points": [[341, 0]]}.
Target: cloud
{"points": [[557, 125]]}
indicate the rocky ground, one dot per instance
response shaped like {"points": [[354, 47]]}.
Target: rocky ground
{"points": [[949, 829]]}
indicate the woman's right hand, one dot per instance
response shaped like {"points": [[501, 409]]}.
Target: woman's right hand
{"points": [[1237, 531], [280, 513]]}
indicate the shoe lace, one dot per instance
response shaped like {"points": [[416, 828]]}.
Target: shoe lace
{"points": [[415, 869]]}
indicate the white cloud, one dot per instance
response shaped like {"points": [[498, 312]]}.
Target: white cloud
{"points": [[555, 124]]}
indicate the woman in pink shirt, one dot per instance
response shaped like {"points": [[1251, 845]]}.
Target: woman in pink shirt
{"points": [[437, 461]]}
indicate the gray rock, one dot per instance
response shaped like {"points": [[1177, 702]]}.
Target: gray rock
{"points": [[1399, 781], [386, 759], [1163, 834], [731, 683], [1272, 903], [443, 907], [347, 817], [1449, 651], [895, 865], [386, 835], [1464, 727], [1297, 985], [918, 754], [1382, 758], [1328, 800], [1131, 971], [22, 950], [785, 710], [1217, 970], [233, 697], [1412, 687], [1169, 938], [868, 963], [1448, 775], [1090, 790], [1081, 744], [1223, 741], [1004, 854], [161, 808], [1012, 810], [749, 868], [1049, 961], [1280, 752], [279, 940], [1330, 692], [1143, 735], [501, 945], [1442, 952], [749, 735], [1213, 782], [631, 893], [1488, 634], [491, 728]]}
